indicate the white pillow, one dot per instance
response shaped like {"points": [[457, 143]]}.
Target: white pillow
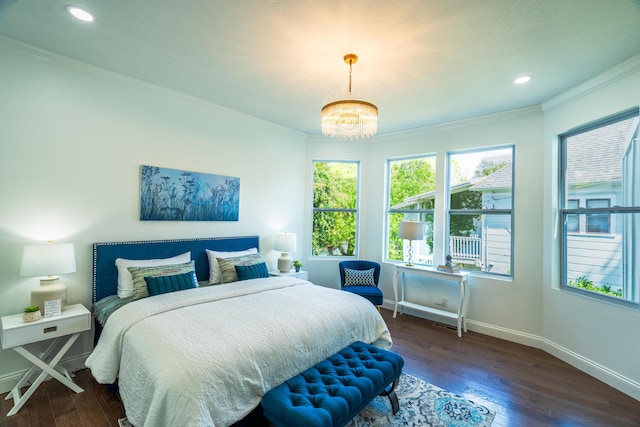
{"points": [[125, 282], [215, 275]]}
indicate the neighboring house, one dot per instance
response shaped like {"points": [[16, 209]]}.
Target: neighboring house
{"points": [[595, 247], [595, 244]]}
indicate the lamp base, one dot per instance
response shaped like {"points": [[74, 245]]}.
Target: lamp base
{"points": [[285, 263], [50, 289]]}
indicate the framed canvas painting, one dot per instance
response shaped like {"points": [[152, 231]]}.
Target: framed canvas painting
{"points": [[176, 195]]}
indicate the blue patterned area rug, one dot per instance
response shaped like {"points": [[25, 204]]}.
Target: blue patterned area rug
{"points": [[423, 404]]}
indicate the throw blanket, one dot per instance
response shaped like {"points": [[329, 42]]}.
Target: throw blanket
{"points": [[206, 356]]}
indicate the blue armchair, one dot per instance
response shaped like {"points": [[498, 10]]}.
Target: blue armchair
{"points": [[362, 284]]}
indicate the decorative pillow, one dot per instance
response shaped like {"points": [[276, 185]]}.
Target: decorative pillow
{"points": [[139, 273], [125, 281], [246, 272], [215, 276], [164, 284], [228, 265], [358, 277]]}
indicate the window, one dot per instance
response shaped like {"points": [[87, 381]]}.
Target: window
{"points": [[599, 165], [410, 196], [573, 222], [335, 208], [598, 222], [480, 210]]}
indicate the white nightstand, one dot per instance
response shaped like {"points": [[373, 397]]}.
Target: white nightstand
{"points": [[304, 275], [65, 328]]}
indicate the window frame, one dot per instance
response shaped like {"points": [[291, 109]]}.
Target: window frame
{"points": [[355, 210], [565, 212], [453, 212], [595, 215], [420, 212]]}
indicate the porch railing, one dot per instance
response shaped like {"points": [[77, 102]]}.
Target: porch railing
{"points": [[465, 248]]}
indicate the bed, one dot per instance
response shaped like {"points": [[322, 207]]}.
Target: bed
{"points": [[205, 356]]}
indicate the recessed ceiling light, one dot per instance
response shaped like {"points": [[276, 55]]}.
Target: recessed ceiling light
{"points": [[522, 80], [80, 13]]}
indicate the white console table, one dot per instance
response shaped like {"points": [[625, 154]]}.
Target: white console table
{"points": [[430, 272]]}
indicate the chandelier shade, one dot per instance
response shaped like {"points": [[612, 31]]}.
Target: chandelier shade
{"points": [[349, 118]]}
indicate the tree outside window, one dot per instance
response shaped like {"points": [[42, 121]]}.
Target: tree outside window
{"points": [[411, 192], [480, 220], [335, 208]]}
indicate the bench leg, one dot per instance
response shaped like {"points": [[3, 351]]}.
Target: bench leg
{"points": [[391, 394]]}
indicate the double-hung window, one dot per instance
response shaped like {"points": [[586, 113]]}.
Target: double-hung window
{"points": [[480, 210], [600, 167], [411, 197], [335, 208]]}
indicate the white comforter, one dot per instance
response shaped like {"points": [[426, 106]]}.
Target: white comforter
{"points": [[206, 356]]}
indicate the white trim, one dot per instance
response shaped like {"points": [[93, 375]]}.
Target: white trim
{"points": [[72, 364], [616, 73], [596, 370]]}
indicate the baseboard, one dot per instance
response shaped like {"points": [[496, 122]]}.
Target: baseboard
{"points": [[72, 364], [596, 370]]}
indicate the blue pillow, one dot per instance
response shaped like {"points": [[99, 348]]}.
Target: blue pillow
{"points": [[163, 284], [246, 272]]}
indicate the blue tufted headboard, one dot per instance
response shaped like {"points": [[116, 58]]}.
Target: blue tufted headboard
{"points": [[105, 274]]}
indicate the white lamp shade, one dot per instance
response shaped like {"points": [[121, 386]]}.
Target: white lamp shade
{"points": [[411, 230], [48, 259], [286, 242]]}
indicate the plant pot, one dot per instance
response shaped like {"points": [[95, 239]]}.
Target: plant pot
{"points": [[32, 316], [297, 269]]}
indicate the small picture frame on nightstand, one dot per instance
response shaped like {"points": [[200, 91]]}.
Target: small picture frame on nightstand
{"points": [[52, 308]]}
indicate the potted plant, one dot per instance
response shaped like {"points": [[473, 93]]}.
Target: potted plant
{"points": [[297, 264], [31, 313]]}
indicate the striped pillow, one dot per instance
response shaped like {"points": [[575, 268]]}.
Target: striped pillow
{"points": [[139, 273], [358, 277], [228, 265]]}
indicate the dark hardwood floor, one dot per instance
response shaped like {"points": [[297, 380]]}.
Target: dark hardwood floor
{"points": [[525, 386]]}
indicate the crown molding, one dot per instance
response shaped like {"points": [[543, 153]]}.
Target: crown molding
{"points": [[628, 67]]}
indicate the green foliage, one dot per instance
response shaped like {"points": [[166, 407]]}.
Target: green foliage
{"points": [[408, 178], [31, 309], [335, 186], [583, 283], [463, 225], [488, 166], [297, 263]]}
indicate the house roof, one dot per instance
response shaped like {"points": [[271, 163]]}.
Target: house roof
{"points": [[595, 156], [498, 180]]}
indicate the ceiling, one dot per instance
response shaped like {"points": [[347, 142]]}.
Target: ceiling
{"points": [[423, 62]]}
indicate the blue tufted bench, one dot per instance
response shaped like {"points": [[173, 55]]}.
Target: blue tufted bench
{"points": [[335, 390]]}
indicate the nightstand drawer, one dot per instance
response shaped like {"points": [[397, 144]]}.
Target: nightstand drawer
{"points": [[15, 332]]}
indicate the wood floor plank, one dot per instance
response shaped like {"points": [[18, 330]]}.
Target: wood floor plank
{"points": [[525, 386]]}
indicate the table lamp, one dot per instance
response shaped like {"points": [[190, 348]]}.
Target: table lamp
{"points": [[411, 230], [46, 261], [285, 243]]}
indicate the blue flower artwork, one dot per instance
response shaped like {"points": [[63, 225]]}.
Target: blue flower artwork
{"points": [[176, 195]]}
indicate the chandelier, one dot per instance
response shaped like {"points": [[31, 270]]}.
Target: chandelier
{"points": [[349, 118]]}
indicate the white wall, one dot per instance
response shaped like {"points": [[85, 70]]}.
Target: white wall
{"points": [[72, 139], [600, 338], [512, 305]]}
